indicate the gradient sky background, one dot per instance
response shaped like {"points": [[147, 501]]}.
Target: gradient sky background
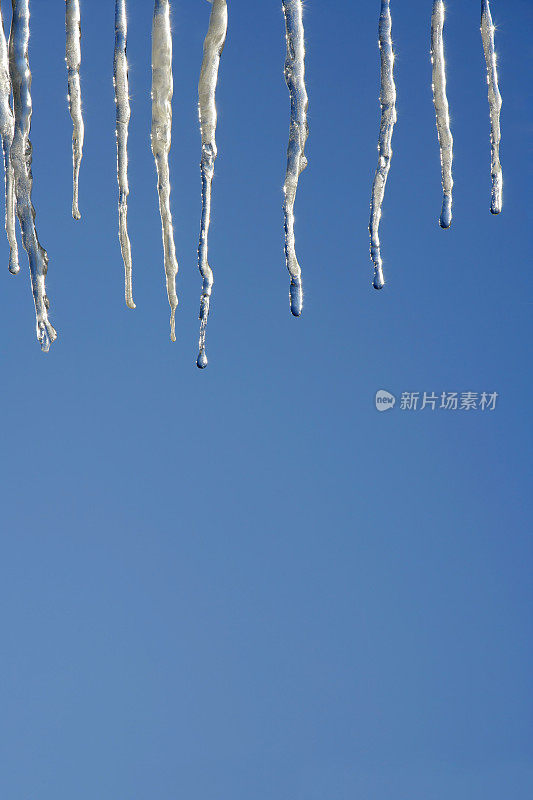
{"points": [[245, 582]]}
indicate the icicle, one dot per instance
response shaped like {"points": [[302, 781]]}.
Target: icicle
{"points": [[122, 103], [21, 157], [162, 89], [296, 160], [7, 130], [441, 109], [213, 46], [73, 59], [387, 100], [495, 104]]}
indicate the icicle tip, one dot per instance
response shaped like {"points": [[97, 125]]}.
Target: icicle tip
{"points": [[201, 361], [296, 297], [445, 220]]}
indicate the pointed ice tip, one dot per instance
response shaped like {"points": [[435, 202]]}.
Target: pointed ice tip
{"points": [[46, 334], [14, 267], [130, 304], [496, 204], [76, 213], [201, 361], [296, 297], [446, 214], [379, 281]]}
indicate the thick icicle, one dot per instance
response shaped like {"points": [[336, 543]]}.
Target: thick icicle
{"points": [[441, 109], [495, 104], [387, 99], [21, 157], [123, 113], [7, 131], [298, 132], [213, 46], [162, 89], [73, 59]]}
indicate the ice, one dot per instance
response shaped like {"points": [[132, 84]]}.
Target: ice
{"points": [[213, 46], [298, 132], [21, 158], [387, 99], [73, 59], [495, 105], [7, 131], [123, 113], [162, 90], [441, 110]]}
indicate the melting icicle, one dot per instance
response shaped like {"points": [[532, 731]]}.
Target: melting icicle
{"points": [[213, 46], [441, 109], [21, 157], [495, 104], [162, 90], [73, 59], [296, 160], [7, 131], [122, 102], [387, 100]]}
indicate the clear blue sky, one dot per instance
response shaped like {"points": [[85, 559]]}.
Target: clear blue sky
{"points": [[246, 582]]}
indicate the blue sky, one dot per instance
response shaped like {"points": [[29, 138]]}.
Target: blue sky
{"points": [[246, 582]]}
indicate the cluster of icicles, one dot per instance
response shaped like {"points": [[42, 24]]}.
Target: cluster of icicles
{"points": [[15, 123]]}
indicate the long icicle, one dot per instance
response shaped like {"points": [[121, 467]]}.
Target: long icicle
{"points": [[73, 59], [298, 132], [441, 109], [7, 131], [387, 99], [162, 90], [21, 158], [495, 105], [213, 46], [123, 113]]}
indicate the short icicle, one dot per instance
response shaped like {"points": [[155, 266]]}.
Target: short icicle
{"points": [[73, 59], [387, 100], [162, 90], [298, 132], [21, 158], [123, 113], [441, 110], [495, 105], [213, 46], [7, 131]]}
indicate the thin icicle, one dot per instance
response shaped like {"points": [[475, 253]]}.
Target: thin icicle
{"points": [[441, 109], [213, 46], [495, 104], [73, 59], [21, 157], [123, 113], [162, 89], [7, 131], [298, 132], [387, 99]]}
